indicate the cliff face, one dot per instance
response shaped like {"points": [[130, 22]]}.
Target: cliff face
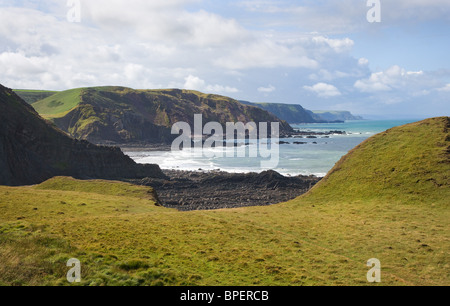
{"points": [[335, 115], [294, 113], [123, 115], [289, 112], [32, 150]]}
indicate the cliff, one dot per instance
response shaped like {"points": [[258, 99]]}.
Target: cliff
{"points": [[124, 115], [295, 114], [292, 113], [335, 115], [32, 150]]}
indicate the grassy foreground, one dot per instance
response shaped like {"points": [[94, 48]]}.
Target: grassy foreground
{"points": [[323, 238], [122, 238]]}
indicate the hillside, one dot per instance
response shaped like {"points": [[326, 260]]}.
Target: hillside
{"points": [[32, 150], [123, 115], [58, 104], [409, 164], [31, 96]]}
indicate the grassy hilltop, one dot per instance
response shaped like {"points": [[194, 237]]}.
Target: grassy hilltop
{"points": [[387, 199], [32, 96], [410, 163]]}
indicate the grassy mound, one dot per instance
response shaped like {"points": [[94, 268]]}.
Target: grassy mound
{"points": [[410, 164]]}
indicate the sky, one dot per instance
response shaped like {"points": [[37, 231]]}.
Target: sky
{"points": [[322, 54]]}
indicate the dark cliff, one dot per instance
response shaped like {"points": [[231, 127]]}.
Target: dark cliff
{"points": [[289, 112], [33, 150]]}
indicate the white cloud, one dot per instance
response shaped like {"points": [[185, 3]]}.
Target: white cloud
{"points": [[268, 89], [220, 89], [325, 75], [12, 63], [363, 61], [161, 21], [196, 83], [269, 46], [324, 90], [446, 88], [390, 79], [338, 45], [265, 53]]}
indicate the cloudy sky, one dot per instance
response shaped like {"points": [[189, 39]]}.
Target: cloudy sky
{"points": [[322, 54]]}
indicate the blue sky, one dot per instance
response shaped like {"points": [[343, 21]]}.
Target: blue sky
{"points": [[324, 54]]}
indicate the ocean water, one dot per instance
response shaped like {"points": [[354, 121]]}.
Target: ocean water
{"points": [[293, 159]]}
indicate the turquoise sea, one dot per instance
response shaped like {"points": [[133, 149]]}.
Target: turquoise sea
{"points": [[316, 157]]}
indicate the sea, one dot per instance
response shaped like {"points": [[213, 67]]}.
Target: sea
{"points": [[317, 157]]}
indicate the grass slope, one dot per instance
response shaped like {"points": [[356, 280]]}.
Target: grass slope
{"points": [[411, 162], [322, 238], [59, 104], [32, 96]]}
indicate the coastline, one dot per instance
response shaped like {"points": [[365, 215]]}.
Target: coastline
{"points": [[199, 187]]}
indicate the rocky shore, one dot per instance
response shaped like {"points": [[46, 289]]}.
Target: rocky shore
{"points": [[187, 191]]}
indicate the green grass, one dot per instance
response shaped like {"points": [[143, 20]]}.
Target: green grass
{"points": [[58, 104], [127, 240], [322, 238], [410, 162], [32, 96]]}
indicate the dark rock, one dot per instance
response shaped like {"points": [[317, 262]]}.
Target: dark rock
{"points": [[187, 191]]}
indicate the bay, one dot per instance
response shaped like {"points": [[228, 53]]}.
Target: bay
{"points": [[316, 157]]}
